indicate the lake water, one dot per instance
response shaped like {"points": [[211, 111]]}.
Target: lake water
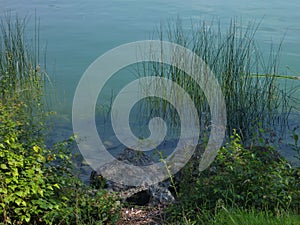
{"points": [[77, 32]]}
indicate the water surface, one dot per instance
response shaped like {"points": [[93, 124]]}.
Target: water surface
{"points": [[77, 32]]}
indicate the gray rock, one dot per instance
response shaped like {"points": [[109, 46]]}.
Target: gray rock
{"points": [[142, 194]]}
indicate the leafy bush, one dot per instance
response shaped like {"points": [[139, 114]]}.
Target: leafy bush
{"points": [[83, 206], [37, 184], [25, 192], [256, 177], [79, 204]]}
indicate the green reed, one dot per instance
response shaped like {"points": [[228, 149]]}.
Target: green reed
{"points": [[21, 78], [246, 74]]}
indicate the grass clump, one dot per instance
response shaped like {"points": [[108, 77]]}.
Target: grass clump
{"points": [[246, 74], [21, 78], [253, 217], [237, 216]]}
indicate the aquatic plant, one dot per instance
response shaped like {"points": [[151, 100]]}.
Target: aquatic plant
{"points": [[246, 74], [21, 77]]}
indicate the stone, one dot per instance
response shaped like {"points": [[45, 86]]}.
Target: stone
{"points": [[144, 194]]}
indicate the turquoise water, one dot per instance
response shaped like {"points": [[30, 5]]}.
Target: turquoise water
{"points": [[76, 32]]}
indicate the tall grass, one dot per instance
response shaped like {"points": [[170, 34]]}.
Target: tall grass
{"points": [[21, 78], [247, 75]]}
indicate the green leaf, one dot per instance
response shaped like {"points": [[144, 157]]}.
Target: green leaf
{"points": [[3, 166], [27, 218], [20, 193], [18, 201], [56, 185], [36, 148]]}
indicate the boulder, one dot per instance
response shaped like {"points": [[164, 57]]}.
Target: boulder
{"points": [[144, 194]]}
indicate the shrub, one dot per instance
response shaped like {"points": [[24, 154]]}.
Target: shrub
{"points": [[246, 178], [25, 192], [79, 204], [37, 186], [37, 183]]}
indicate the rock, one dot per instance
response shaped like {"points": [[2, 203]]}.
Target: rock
{"points": [[137, 158], [138, 195], [160, 194]]}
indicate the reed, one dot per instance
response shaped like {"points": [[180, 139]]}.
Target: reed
{"points": [[21, 78], [247, 75]]}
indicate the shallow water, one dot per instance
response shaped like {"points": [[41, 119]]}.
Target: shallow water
{"points": [[76, 32]]}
